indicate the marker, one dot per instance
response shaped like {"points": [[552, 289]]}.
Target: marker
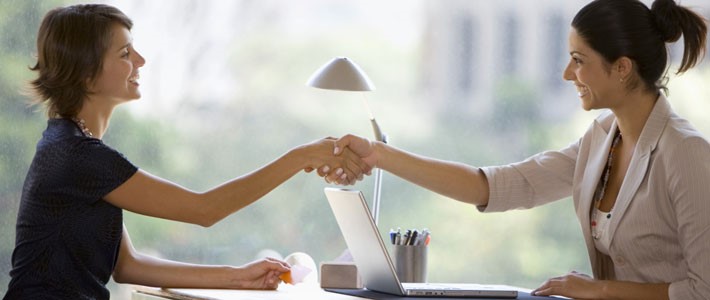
{"points": [[425, 237]]}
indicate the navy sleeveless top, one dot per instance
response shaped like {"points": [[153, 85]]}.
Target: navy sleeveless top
{"points": [[67, 237]]}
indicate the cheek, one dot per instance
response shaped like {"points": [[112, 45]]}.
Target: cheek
{"points": [[115, 75], [582, 76]]}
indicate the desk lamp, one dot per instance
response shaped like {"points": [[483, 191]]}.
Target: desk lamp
{"points": [[343, 74]]}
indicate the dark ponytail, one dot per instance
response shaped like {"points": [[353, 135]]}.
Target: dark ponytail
{"points": [[616, 28], [673, 21]]}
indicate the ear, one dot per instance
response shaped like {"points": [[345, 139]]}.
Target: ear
{"points": [[623, 66]]}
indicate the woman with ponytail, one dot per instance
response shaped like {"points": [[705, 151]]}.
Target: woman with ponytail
{"points": [[639, 177]]}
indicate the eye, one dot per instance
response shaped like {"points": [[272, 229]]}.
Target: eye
{"points": [[125, 54], [577, 60]]}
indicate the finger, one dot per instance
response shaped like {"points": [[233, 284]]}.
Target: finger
{"points": [[354, 159], [272, 280], [351, 171], [322, 171], [545, 285], [281, 265], [343, 180], [356, 166], [542, 292], [308, 170], [580, 274], [334, 175]]}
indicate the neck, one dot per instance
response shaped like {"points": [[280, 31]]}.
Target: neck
{"points": [[96, 119], [632, 114]]}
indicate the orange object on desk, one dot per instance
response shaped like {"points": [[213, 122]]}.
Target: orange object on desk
{"points": [[295, 275]]}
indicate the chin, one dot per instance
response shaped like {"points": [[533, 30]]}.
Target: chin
{"points": [[586, 105]]}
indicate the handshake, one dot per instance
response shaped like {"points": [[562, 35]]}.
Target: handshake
{"points": [[342, 161]]}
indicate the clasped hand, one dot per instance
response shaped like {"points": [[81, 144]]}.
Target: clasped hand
{"points": [[343, 161]]}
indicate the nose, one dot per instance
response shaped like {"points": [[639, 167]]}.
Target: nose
{"points": [[139, 61], [568, 74]]}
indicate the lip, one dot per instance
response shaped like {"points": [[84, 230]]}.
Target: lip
{"points": [[134, 79], [581, 90]]}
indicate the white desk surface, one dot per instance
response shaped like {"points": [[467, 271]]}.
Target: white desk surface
{"points": [[284, 291]]}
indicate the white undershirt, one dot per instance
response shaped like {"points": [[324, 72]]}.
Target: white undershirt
{"points": [[600, 232]]}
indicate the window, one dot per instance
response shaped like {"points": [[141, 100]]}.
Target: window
{"points": [[223, 94]]}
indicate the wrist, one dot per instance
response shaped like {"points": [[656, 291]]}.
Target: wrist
{"points": [[379, 149], [297, 157], [230, 275]]}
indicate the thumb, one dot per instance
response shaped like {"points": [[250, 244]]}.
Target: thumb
{"points": [[341, 143], [358, 145]]}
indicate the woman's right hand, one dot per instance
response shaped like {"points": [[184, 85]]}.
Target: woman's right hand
{"points": [[345, 169], [363, 147], [353, 148]]}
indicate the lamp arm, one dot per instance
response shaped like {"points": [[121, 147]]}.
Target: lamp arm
{"points": [[379, 136]]}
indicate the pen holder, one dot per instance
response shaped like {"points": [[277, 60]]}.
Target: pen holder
{"points": [[410, 262]]}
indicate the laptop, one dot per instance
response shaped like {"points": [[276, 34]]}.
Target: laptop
{"points": [[374, 263]]}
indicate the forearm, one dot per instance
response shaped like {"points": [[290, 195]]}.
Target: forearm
{"points": [[455, 180], [238, 193], [624, 290], [152, 271], [136, 268]]}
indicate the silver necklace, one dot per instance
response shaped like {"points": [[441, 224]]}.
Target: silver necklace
{"points": [[82, 126]]}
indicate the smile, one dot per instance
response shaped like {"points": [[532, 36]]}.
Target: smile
{"points": [[134, 78]]}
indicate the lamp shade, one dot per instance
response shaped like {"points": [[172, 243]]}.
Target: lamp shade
{"points": [[342, 74]]}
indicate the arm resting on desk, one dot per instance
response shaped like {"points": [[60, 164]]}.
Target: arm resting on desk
{"points": [[579, 286], [136, 268]]}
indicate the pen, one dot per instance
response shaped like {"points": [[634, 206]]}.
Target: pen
{"points": [[413, 238]]}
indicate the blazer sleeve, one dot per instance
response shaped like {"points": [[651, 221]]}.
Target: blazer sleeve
{"points": [[689, 189], [540, 179]]}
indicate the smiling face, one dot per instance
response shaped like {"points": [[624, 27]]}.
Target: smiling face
{"points": [[117, 81], [598, 84]]}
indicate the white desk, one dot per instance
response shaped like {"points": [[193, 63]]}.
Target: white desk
{"points": [[285, 291]]}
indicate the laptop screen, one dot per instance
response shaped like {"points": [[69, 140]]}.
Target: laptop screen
{"points": [[364, 240]]}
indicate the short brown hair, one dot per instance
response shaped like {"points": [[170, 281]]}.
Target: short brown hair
{"points": [[71, 44]]}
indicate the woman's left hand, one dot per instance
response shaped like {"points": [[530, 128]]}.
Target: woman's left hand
{"points": [[260, 275], [574, 285]]}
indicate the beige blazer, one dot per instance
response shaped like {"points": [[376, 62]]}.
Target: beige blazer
{"points": [[660, 225]]}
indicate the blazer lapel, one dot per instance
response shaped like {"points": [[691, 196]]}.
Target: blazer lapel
{"points": [[650, 135], [592, 174]]}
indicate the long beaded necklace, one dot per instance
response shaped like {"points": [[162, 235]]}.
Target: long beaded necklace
{"points": [[82, 126], [596, 232]]}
